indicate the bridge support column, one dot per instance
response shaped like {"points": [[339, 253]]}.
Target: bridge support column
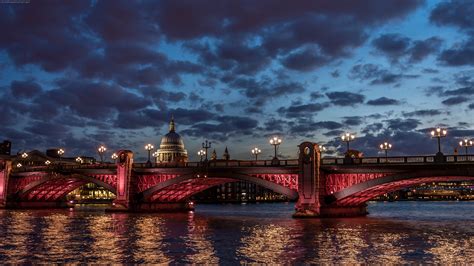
{"points": [[124, 178], [309, 181], [5, 169]]}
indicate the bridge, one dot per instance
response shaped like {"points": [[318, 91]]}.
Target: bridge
{"points": [[328, 187]]}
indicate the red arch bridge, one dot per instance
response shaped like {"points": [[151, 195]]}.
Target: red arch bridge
{"points": [[323, 187]]}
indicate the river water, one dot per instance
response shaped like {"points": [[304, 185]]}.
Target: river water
{"points": [[393, 232]]}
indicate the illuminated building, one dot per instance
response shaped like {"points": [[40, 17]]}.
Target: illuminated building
{"points": [[172, 147]]}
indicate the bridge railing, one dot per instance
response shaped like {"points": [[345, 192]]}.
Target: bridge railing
{"points": [[397, 160], [219, 163]]}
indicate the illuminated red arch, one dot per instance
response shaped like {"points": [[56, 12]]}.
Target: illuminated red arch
{"points": [[54, 187], [182, 187], [360, 193]]}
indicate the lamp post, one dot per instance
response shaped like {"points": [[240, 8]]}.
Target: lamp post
{"points": [[155, 155], [101, 150], [24, 156], [275, 141], [47, 162], [114, 157], [149, 148], [322, 148], [466, 144], [256, 151], [385, 147], [202, 153], [439, 133], [347, 137], [206, 145], [60, 154], [79, 160]]}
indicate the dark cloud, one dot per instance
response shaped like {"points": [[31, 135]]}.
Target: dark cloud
{"points": [[295, 111], [393, 45], [372, 128], [455, 100], [467, 91], [352, 120], [460, 54], [454, 13], [376, 75], [396, 47], [422, 113], [383, 101], [421, 49], [226, 126], [305, 60], [25, 89], [403, 124], [471, 106], [345, 98], [316, 95]]}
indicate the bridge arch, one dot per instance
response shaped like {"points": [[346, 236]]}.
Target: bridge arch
{"points": [[360, 193], [195, 184], [53, 187]]}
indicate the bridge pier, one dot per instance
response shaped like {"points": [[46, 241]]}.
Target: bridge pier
{"points": [[309, 182], [5, 170], [312, 188], [124, 179]]}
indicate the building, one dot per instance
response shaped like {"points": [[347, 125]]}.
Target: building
{"points": [[172, 147]]}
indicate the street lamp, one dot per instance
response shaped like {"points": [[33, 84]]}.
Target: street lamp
{"points": [[206, 145], [155, 155], [202, 153], [24, 155], [347, 137], [439, 133], [60, 154], [275, 141], [114, 157], [149, 148], [385, 147], [322, 149], [466, 143], [101, 150], [47, 162], [79, 160], [256, 151]]}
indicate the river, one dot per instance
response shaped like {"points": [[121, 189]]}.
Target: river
{"points": [[393, 232]]}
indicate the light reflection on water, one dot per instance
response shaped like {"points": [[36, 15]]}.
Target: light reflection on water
{"points": [[400, 232]]}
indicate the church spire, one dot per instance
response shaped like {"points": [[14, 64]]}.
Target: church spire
{"points": [[172, 127]]}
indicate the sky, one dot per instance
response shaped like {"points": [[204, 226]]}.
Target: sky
{"points": [[79, 74]]}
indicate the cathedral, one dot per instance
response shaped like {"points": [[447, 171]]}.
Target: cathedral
{"points": [[172, 147]]}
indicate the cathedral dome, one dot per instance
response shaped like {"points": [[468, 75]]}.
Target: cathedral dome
{"points": [[172, 147]]}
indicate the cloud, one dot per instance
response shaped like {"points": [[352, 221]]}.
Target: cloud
{"points": [[459, 55], [383, 101], [295, 111], [402, 124], [455, 100], [454, 13], [353, 120], [25, 89], [345, 98], [393, 45], [305, 60], [376, 74], [396, 47], [422, 113]]}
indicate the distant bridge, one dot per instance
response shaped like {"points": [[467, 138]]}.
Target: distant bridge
{"points": [[323, 187]]}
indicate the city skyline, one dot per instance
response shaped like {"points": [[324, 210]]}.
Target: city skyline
{"points": [[236, 73]]}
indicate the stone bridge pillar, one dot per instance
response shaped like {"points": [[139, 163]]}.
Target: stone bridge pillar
{"points": [[309, 181], [5, 169], [124, 178]]}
